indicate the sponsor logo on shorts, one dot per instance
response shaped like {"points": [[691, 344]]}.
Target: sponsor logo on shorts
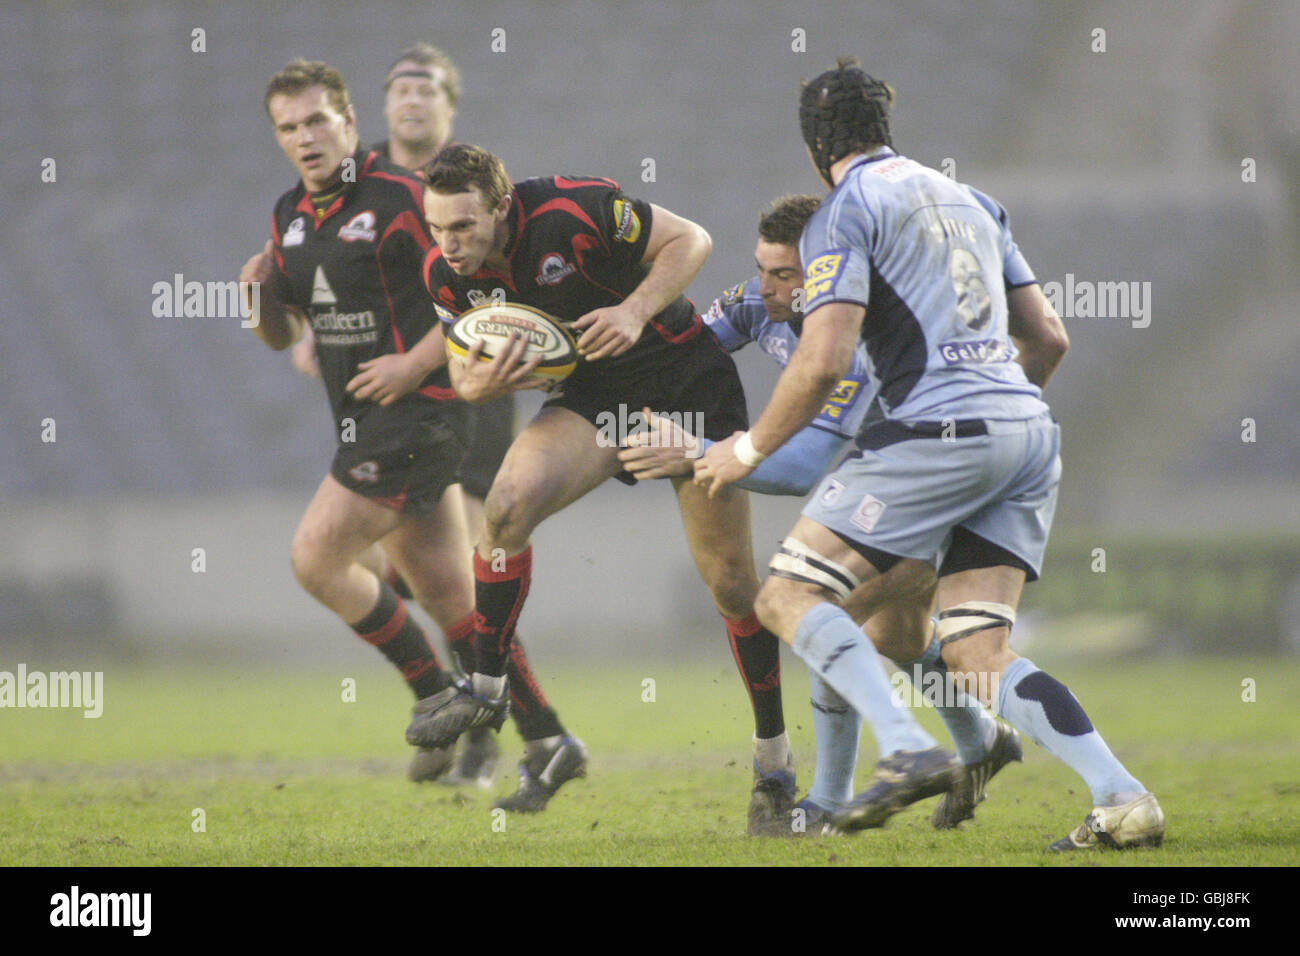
{"points": [[367, 472], [822, 273], [360, 227], [868, 513], [554, 269], [629, 224], [296, 233], [834, 488]]}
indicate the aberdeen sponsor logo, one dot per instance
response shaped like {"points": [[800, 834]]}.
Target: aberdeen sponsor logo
{"points": [[82, 690]]}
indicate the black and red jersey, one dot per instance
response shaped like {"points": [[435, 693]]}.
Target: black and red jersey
{"points": [[355, 270], [575, 245]]}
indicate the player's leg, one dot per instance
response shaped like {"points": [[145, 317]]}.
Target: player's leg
{"points": [[977, 609], [338, 526], [718, 531], [553, 462], [815, 571], [903, 632], [552, 756]]}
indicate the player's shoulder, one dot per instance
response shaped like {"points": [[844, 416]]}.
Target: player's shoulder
{"points": [[741, 306], [383, 178], [533, 193]]}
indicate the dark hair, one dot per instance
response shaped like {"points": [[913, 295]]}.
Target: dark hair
{"points": [[302, 74], [460, 167], [426, 54], [783, 221], [844, 111]]}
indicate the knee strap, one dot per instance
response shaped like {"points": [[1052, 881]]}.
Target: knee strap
{"points": [[971, 618], [798, 562]]}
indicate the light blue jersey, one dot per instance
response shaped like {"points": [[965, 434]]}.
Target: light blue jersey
{"points": [[930, 259], [739, 317]]}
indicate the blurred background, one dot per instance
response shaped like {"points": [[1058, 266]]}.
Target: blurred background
{"points": [[1163, 150]]}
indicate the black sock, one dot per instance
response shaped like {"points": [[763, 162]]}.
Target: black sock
{"points": [[758, 655], [499, 596], [533, 715], [389, 627]]}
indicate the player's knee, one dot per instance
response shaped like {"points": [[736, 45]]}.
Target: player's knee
{"points": [[733, 590], [777, 597], [309, 565], [974, 637], [508, 515], [898, 643]]}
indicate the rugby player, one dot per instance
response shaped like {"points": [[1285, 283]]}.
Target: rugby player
{"points": [[421, 93], [957, 482], [345, 259], [614, 269], [767, 310]]}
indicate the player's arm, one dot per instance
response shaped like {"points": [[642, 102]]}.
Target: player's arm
{"points": [[665, 450], [676, 251], [825, 352], [276, 324], [387, 378], [1038, 331], [478, 381]]}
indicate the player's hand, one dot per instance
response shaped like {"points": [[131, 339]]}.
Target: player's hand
{"points": [[478, 381], [608, 332], [663, 450], [720, 467], [260, 268], [386, 379], [304, 355]]}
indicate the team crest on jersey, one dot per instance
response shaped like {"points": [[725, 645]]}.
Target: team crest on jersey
{"points": [[554, 269], [822, 273], [297, 231], [629, 224], [476, 297], [367, 472], [360, 228], [734, 294]]}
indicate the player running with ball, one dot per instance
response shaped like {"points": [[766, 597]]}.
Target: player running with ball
{"points": [[960, 477], [614, 269]]}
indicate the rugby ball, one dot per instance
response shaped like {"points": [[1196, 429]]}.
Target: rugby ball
{"points": [[494, 323]]}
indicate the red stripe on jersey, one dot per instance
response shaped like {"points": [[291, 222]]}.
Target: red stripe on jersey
{"points": [[685, 336], [431, 255], [563, 182], [275, 247], [416, 188], [409, 223], [564, 205], [438, 393]]}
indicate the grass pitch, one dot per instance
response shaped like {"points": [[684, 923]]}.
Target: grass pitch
{"points": [[218, 766]]}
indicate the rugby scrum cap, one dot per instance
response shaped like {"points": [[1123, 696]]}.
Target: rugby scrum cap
{"points": [[841, 111]]}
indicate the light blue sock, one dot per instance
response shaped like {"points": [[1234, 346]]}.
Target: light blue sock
{"points": [[971, 726], [838, 729], [840, 654], [1038, 704]]}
